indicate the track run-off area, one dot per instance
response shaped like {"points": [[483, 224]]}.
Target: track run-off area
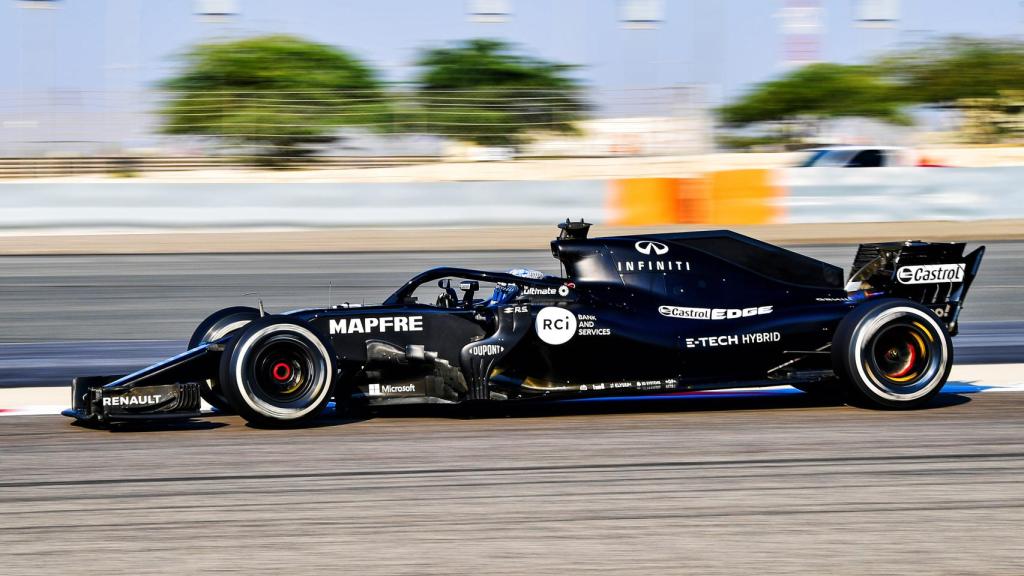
{"points": [[766, 482]]}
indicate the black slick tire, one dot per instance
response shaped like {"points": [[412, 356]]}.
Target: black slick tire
{"points": [[892, 353], [279, 371], [214, 327]]}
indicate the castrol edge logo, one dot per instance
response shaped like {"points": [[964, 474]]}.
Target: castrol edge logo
{"points": [[930, 274], [713, 313]]}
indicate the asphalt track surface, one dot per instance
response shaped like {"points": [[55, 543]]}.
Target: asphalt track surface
{"points": [[63, 316], [773, 485]]}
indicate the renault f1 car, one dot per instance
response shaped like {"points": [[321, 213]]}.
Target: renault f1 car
{"points": [[649, 314]]}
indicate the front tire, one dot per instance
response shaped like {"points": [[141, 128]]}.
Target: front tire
{"points": [[279, 371], [892, 353], [216, 326]]}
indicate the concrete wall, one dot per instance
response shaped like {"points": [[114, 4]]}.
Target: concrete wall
{"points": [[732, 197], [894, 194], [126, 205]]}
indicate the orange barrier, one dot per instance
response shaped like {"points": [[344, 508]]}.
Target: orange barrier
{"points": [[693, 200], [728, 197], [642, 201], [743, 197]]}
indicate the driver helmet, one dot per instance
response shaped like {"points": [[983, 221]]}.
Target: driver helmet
{"points": [[505, 292]]}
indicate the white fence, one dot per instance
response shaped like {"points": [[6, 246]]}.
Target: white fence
{"points": [[812, 195], [130, 206], [901, 194]]}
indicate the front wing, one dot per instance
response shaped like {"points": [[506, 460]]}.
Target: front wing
{"points": [[166, 390]]}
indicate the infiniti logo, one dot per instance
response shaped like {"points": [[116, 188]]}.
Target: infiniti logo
{"points": [[647, 246]]}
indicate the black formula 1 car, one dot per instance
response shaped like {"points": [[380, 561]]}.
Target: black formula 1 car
{"points": [[650, 314]]}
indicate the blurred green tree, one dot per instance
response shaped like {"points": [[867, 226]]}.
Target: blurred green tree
{"points": [[992, 120], [981, 78], [480, 91], [956, 68], [816, 92], [278, 96]]}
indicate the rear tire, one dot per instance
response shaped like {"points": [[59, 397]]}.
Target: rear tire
{"points": [[279, 371], [216, 326], [892, 353]]}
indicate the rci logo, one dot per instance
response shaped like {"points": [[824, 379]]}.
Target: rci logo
{"points": [[555, 325], [647, 247]]}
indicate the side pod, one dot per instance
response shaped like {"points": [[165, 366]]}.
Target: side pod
{"points": [[166, 390]]}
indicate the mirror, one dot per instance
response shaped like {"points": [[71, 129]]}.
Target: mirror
{"points": [[448, 298], [469, 288]]}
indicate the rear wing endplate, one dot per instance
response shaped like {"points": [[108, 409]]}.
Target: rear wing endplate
{"points": [[937, 275]]}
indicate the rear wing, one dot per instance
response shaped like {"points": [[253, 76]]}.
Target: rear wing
{"points": [[937, 275]]}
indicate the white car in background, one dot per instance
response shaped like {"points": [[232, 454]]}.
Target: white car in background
{"points": [[863, 157]]}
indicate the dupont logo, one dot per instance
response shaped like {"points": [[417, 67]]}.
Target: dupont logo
{"points": [[930, 274], [486, 349], [649, 247]]}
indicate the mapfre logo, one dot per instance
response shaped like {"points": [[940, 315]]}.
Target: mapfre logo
{"points": [[930, 274], [370, 325], [649, 247], [555, 325]]}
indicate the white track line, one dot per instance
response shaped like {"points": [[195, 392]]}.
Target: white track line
{"points": [[967, 379]]}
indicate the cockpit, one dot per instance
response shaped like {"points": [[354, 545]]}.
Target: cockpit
{"points": [[460, 287]]}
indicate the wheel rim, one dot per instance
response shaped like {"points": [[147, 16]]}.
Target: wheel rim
{"points": [[899, 353], [284, 371], [903, 357]]}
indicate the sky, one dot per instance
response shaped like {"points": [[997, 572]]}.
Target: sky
{"points": [[126, 45]]}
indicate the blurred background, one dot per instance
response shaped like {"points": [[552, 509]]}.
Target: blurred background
{"points": [[661, 111], [130, 87]]}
